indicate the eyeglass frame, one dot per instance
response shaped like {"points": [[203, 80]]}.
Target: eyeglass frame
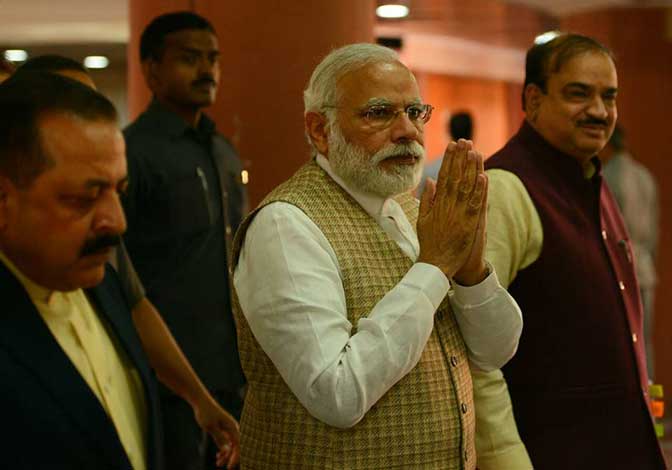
{"points": [[418, 123]]}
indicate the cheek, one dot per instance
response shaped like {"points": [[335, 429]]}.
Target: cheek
{"points": [[372, 142]]}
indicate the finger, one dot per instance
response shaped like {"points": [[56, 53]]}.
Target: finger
{"points": [[221, 459], [449, 159], [468, 182], [482, 220], [221, 437], [481, 162], [465, 144], [478, 197], [427, 197], [234, 458]]}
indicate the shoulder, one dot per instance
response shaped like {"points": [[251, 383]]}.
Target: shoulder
{"points": [[507, 192]]}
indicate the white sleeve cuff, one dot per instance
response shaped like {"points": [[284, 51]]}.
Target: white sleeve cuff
{"points": [[467, 297], [430, 280]]}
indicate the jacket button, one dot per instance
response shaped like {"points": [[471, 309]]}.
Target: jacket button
{"points": [[464, 408], [621, 285], [453, 361]]}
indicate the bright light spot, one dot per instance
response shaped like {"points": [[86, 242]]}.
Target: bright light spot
{"points": [[96, 62], [545, 37], [16, 55], [244, 177], [392, 11]]}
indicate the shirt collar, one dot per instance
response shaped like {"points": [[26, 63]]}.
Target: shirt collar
{"points": [[172, 124], [374, 205]]}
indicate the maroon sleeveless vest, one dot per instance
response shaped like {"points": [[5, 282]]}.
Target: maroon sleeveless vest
{"points": [[578, 382]]}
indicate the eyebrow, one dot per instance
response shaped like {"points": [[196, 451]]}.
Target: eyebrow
{"points": [[191, 50], [386, 102], [378, 102], [101, 183], [585, 86]]}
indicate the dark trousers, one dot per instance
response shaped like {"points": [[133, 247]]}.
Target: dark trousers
{"points": [[187, 447]]}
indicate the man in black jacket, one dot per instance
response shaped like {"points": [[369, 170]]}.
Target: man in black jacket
{"points": [[75, 380]]}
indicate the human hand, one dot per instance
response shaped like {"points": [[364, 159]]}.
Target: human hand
{"points": [[451, 213], [475, 268], [222, 428]]}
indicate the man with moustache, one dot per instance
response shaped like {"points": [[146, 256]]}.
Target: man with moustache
{"points": [[578, 384], [355, 333], [75, 380], [185, 200], [165, 356]]}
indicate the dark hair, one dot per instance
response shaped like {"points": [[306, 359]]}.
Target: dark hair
{"points": [[51, 63], [6, 66], [461, 126], [27, 97], [151, 41], [547, 58]]}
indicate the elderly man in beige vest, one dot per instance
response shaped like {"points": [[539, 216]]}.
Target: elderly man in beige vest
{"points": [[356, 333]]}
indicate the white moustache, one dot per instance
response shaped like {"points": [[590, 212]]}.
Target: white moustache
{"points": [[412, 149]]}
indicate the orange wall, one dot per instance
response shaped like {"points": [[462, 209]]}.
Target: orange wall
{"points": [[642, 42], [494, 105]]}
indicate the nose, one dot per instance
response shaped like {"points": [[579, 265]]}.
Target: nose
{"points": [[109, 217], [598, 108], [208, 66], [404, 130]]}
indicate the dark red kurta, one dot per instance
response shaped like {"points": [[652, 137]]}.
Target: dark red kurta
{"points": [[578, 382]]}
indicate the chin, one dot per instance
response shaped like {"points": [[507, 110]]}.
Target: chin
{"points": [[86, 279]]}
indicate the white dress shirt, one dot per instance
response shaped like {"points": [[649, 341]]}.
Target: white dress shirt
{"points": [[290, 291]]}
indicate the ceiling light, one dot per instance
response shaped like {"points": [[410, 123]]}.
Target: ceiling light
{"points": [[96, 62], [392, 10], [546, 37], [16, 55]]}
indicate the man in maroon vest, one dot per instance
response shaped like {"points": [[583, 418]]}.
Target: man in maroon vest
{"points": [[578, 384]]}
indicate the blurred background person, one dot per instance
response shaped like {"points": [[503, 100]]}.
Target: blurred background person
{"points": [[636, 193], [6, 69], [459, 126], [185, 201]]}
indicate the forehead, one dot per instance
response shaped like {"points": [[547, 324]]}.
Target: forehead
{"points": [[191, 39], [590, 68], [70, 141], [384, 81]]}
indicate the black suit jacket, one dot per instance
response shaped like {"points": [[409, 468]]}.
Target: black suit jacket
{"points": [[51, 418]]}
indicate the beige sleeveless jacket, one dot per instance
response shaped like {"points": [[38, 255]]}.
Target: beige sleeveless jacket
{"points": [[425, 421]]}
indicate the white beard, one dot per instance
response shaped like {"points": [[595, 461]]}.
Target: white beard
{"points": [[361, 170]]}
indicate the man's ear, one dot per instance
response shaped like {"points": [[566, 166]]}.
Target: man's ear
{"points": [[533, 97], [317, 131], [6, 189], [150, 72]]}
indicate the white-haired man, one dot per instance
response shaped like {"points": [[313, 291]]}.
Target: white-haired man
{"points": [[347, 334]]}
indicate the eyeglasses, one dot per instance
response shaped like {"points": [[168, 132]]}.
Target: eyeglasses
{"points": [[380, 116]]}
